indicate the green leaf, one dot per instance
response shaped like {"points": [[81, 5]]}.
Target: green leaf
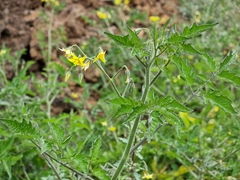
{"points": [[229, 59], [58, 132], [124, 109], [186, 70], [130, 40], [164, 27], [209, 60], [231, 77], [96, 149], [221, 101], [81, 145], [24, 127], [139, 110], [123, 101], [189, 49], [5, 145], [43, 145], [153, 124], [7, 166], [176, 39], [135, 40], [100, 173], [66, 140], [171, 103], [121, 40], [195, 30], [83, 165], [173, 119]]}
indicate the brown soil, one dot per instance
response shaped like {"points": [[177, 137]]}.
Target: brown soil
{"points": [[20, 21]]}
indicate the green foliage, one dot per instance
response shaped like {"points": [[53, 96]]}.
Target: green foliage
{"points": [[178, 106], [220, 101]]}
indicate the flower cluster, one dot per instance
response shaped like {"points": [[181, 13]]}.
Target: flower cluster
{"points": [[82, 61], [77, 61], [101, 15]]}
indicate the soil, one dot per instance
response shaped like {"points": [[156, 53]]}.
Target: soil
{"points": [[20, 21]]}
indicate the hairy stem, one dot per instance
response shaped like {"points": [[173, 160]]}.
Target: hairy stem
{"points": [[134, 128]]}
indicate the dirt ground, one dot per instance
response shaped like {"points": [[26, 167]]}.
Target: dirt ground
{"points": [[20, 21]]}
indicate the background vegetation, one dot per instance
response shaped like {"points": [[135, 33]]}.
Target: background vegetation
{"points": [[87, 142]]}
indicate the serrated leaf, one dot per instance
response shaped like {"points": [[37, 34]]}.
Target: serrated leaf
{"points": [[5, 145], [210, 61], [124, 109], [83, 165], [186, 70], [80, 146], [171, 103], [24, 127], [100, 173], [189, 49], [139, 110], [58, 132], [96, 149], [195, 29], [121, 40], [152, 126], [173, 119], [231, 77], [221, 101], [176, 39], [66, 140], [123, 101], [229, 59], [135, 40], [43, 145], [164, 27], [7, 166]]}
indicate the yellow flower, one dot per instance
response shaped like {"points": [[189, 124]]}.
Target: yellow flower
{"points": [[101, 15], [77, 61], [117, 2], [216, 108], [126, 2], [67, 76], [147, 176], [104, 123], [68, 51], [112, 128], [75, 95], [101, 57], [154, 18], [86, 66], [2, 52]]}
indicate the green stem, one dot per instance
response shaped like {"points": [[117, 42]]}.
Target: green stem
{"points": [[110, 79], [134, 128], [52, 166], [63, 164]]}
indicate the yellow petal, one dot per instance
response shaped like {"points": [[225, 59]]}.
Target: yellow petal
{"points": [[154, 18], [112, 128], [117, 2], [101, 56], [86, 66], [101, 15]]}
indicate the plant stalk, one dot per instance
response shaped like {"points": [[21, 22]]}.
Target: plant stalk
{"points": [[134, 128]]}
